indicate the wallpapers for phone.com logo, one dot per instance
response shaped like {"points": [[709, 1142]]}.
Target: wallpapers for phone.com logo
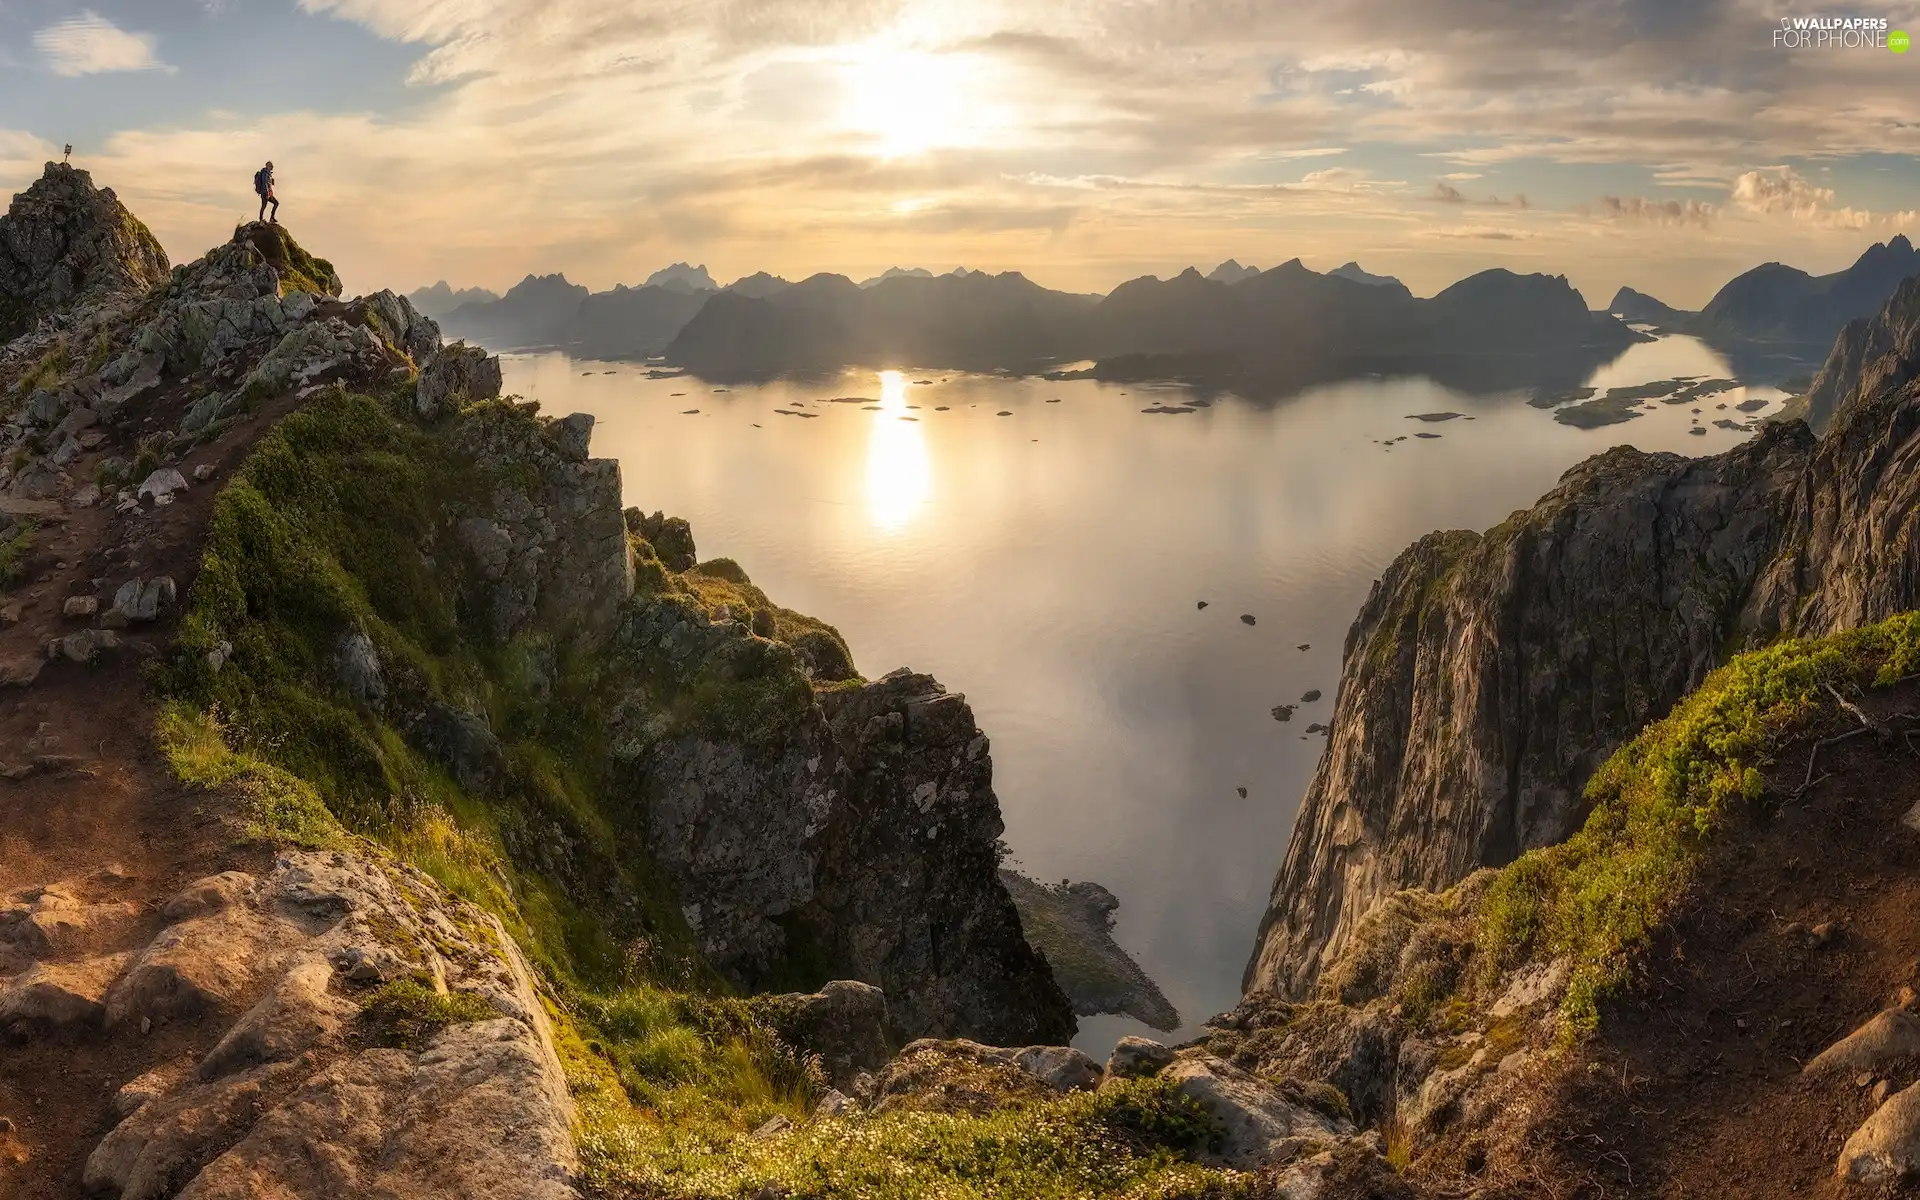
{"points": [[1840, 33]]}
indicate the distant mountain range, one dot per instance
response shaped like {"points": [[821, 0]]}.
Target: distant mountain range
{"points": [[1236, 326], [970, 321], [1268, 330], [1782, 304]]}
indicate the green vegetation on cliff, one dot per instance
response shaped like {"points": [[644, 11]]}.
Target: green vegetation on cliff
{"points": [[331, 547], [1656, 804]]}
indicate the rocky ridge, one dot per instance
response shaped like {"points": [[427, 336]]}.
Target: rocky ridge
{"points": [[1487, 676], [65, 245], [330, 1021]]}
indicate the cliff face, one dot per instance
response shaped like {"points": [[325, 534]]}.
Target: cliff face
{"points": [[1487, 676]]}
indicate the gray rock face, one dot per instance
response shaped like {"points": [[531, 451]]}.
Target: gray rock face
{"points": [[551, 548], [863, 826], [357, 667], [1488, 676], [63, 241], [907, 893], [462, 743], [456, 376]]}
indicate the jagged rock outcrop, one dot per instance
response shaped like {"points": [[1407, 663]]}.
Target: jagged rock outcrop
{"points": [[313, 1091], [845, 831], [858, 830], [1872, 356], [64, 242], [550, 549]]}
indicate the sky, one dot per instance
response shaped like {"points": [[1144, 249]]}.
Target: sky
{"points": [[1660, 144]]}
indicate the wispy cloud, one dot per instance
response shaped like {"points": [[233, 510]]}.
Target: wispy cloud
{"points": [[89, 44]]}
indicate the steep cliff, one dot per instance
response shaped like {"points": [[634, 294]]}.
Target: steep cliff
{"points": [[1487, 676]]}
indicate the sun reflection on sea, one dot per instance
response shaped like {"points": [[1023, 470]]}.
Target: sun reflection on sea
{"points": [[899, 472]]}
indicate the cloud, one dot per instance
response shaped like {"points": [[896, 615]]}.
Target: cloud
{"points": [[1781, 190], [1445, 193], [89, 44], [1654, 212]]}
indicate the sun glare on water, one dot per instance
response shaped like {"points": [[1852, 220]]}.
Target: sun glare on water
{"points": [[899, 471]]}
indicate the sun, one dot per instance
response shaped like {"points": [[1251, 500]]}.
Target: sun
{"points": [[911, 101]]}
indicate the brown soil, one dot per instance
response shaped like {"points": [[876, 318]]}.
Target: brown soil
{"points": [[83, 787], [1695, 1088]]}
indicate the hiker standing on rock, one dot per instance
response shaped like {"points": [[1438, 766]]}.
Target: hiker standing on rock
{"points": [[263, 187]]}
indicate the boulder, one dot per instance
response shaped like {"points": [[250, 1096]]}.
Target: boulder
{"points": [[1886, 1149], [140, 601], [845, 1023], [59, 996], [1888, 1038], [462, 743], [1062, 1068], [160, 486], [1136, 1056], [1259, 1126]]}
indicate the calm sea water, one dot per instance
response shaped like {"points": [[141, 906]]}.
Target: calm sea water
{"points": [[1043, 547]]}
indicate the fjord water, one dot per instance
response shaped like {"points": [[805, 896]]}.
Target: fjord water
{"points": [[1043, 548]]}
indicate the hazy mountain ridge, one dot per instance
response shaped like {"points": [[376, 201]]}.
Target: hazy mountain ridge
{"points": [[1774, 302]]}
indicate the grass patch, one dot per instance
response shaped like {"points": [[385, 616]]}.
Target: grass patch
{"points": [[1598, 897], [406, 1013], [1128, 1140], [48, 371], [279, 806], [13, 551]]}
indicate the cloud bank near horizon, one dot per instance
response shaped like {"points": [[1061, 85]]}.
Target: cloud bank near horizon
{"points": [[1080, 141]]}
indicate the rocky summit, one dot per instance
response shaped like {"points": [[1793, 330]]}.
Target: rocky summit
{"points": [[65, 243]]}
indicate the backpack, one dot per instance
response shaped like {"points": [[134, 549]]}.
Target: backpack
{"points": [[262, 182]]}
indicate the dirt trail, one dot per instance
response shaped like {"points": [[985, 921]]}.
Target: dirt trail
{"points": [[83, 788], [1802, 927]]}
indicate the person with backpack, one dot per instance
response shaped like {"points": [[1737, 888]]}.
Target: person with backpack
{"points": [[263, 187]]}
